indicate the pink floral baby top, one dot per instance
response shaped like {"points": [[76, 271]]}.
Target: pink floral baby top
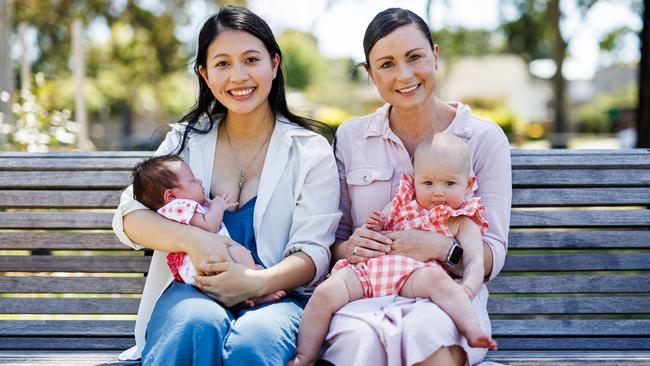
{"points": [[182, 210], [385, 275]]}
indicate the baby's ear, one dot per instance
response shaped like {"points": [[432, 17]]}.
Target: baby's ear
{"points": [[470, 183], [168, 195]]}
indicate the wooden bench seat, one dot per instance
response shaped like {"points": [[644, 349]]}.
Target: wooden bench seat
{"points": [[575, 289]]}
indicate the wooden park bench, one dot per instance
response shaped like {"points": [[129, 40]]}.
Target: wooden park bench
{"points": [[575, 288]]}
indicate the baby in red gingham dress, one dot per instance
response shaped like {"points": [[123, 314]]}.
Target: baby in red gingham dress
{"points": [[432, 199], [167, 185]]}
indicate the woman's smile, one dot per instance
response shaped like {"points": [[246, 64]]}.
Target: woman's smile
{"points": [[242, 93], [409, 91]]}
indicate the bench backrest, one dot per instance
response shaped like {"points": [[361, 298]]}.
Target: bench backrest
{"points": [[576, 275], [60, 256]]}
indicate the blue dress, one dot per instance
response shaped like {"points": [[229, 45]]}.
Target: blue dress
{"points": [[188, 327], [240, 226]]}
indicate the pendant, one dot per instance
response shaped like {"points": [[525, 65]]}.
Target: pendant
{"points": [[240, 183]]}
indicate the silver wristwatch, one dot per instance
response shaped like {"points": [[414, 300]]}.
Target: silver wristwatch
{"points": [[455, 253]]}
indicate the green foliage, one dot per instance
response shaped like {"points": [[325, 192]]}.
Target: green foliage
{"points": [[597, 115], [455, 42], [128, 71], [612, 43], [37, 129], [529, 34], [302, 58]]}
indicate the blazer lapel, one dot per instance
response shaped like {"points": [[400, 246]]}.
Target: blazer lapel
{"points": [[274, 164], [201, 149]]}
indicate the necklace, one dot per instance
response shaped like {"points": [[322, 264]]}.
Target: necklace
{"points": [[242, 172]]}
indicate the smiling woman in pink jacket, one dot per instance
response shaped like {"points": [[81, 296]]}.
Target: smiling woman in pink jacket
{"points": [[372, 153]]}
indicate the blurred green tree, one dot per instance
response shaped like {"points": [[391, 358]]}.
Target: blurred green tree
{"points": [[466, 42], [535, 32], [302, 59], [127, 70], [643, 109]]}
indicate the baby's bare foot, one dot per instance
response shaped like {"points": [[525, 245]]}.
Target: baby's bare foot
{"points": [[274, 296], [477, 339]]}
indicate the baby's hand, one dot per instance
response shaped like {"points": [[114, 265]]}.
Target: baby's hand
{"points": [[376, 221], [223, 201]]}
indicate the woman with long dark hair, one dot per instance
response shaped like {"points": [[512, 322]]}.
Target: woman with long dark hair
{"points": [[372, 153], [239, 138]]}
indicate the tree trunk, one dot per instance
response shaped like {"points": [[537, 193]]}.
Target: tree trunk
{"points": [[558, 138], [7, 84], [643, 110], [127, 126]]}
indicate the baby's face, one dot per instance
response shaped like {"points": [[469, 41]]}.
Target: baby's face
{"points": [[440, 181], [189, 187]]}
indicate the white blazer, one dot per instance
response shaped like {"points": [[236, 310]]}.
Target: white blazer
{"points": [[296, 207]]}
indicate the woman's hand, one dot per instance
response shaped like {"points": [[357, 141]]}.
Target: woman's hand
{"points": [[420, 245], [365, 244], [230, 283], [209, 249]]}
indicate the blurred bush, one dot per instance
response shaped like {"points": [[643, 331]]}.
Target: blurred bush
{"points": [[599, 114], [37, 129]]}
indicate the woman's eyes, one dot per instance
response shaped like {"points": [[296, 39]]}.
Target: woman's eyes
{"points": [[388, 64], [248, 60]]}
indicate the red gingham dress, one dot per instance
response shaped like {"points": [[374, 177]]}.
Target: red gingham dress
{"points": [[385, 275]]}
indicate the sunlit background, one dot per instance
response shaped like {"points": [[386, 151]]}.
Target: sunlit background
{"points": [[123, 73]]}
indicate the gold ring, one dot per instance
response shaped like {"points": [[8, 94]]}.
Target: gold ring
{"points": [[354, 251]]}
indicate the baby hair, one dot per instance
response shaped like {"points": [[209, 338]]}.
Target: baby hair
{"points": [[445, 145], [152, 177]]}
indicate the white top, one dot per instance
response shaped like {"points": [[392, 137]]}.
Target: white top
{"points": [[296, 207]]}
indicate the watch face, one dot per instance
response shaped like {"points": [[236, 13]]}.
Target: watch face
{"points": [[455, 255]]}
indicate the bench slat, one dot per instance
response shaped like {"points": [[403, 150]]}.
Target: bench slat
{"points": [[581, 178], [570, 358], [529, 197], [83, 285], [574, 343], [102, 306], [569, 284], [515, 328], [70, 328], [66, 356], [603, 239], [571, 327], [98, 264], [64, 343], [60, 240], [577, 262], [64, 199], [580, 218], [521, 197], [570, 305], [544, 159], [55, 220], [68, 163], [65, 179], [519, 219]]}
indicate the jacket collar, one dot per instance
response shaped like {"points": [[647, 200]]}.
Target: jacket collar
{"points": [[460, 126]]}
